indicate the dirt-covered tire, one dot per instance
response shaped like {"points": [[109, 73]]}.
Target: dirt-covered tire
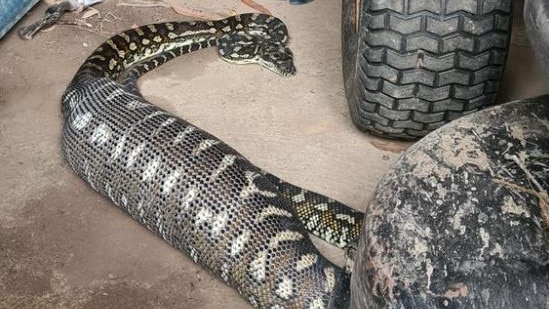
{"points": [[461, 220], [410, 66]]}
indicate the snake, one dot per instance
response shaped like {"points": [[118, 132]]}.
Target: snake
{"points": [[246, 226]]}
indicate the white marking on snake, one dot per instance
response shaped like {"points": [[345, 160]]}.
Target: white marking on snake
{"points": [[112, 64], [227, 161], [160, 226], [164, 124], [111, 44], [194, 33], [345, 217], [272, 211], [167, 122], [188, 198], [71, 97], [285, 236], [108, 189], [99, 57], [152, 166], [219, 223], [239, 242], [88, 173], [116, 202], [344, 232], [306, 261], [251, 188], [328, 235], [170, 182], [313, 221], [204, 215], [124, 201], [101, 134], [321, 207], [253, 301], [318, 303], [204, 145], [181, 135], [154, 114], [125, 36], [194, 254], [298, 198], [135, 104], [285, 288], [258, 266], [118, 149], [132, 156], [140, 209], [330, 279], [81, 121], [225, 272]]}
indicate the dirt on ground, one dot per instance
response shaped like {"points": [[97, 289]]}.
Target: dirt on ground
{"points": [[64, 246]]}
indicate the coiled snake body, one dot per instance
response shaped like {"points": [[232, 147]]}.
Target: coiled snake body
{"points": [[201, 196]]}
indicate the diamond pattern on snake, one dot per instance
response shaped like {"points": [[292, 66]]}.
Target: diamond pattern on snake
{"points": [[201, 196]]}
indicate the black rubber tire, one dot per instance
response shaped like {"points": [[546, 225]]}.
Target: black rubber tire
{"points": [[410, 66], [536, 19], [461, 220]]}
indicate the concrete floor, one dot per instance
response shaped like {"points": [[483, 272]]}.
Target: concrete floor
{"points": [[64, 246]]}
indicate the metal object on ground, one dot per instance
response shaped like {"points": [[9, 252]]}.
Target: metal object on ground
{"points": [[52, 15], [11, 11]]}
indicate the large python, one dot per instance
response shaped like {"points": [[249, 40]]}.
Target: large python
{"points": [[201, 196]]}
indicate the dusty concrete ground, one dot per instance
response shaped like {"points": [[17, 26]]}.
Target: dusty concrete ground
{"points": [[64, 246]]}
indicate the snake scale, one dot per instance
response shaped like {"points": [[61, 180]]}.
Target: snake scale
{"points": [[243, 224]]}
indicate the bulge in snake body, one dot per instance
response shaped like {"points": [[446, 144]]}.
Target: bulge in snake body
{"points": [[190, 188]]}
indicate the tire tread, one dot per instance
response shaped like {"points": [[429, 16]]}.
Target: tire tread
{"points": [[421, 62]]}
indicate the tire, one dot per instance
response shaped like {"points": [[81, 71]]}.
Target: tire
{"points": [[536, 19], [461, 219], [410, 66]]}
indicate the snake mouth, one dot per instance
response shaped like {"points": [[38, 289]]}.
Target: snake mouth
{"points": [[290, 70], [286, 68], [287, 72]]}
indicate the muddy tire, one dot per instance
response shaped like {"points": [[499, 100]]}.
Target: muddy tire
{"points": [[410, 66], [461, 220]]}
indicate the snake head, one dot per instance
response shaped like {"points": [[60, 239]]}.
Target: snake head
{"points": [[277, 57], [243, 49]]}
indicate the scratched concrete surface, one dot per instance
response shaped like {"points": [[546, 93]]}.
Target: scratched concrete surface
{"points": [[64, 246]]}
